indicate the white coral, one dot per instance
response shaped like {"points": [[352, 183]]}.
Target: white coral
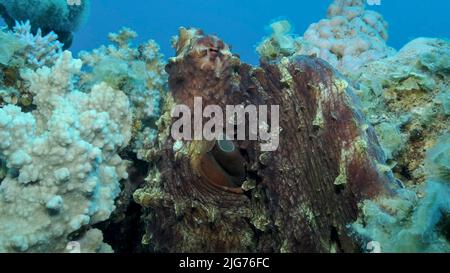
{"points": [[63, 163], [349, 38], [139, 72], [39, 50]]}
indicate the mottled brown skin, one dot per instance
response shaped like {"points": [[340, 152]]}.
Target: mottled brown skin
{"points": [[301, 208]]}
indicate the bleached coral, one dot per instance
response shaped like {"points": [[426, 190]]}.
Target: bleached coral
{"points": [[349, 38], [9, 45], [281, 43], [39, 50], [139, 72], [63, 167], [20, 49], [406, 98]]}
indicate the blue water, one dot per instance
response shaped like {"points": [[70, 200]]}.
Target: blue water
{"points": [[241, 22]]}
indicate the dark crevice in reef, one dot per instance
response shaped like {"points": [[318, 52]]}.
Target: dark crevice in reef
{"points": [[78, 234], [405, 172], [444, 226], [125, 236], [3, 169], [124, 230]]}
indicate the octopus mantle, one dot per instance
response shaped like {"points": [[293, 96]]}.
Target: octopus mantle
{"points": [[299, 198]]}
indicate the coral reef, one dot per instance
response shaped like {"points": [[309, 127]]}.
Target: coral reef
{"points": [[62, 159], [22, 48], [415, 220], [405, 97], [58, 16], [349, 38], [40, 50], [86, 150], [19, 50], [139, 72]]}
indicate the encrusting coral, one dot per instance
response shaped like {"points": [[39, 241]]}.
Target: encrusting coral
{"points": [[414, 221], [62, 158], [406, 98]]}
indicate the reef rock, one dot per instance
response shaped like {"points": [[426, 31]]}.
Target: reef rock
{"points": [[406, 98], [414, 220], [224, 196]]}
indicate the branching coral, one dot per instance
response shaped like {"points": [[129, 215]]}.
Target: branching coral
{"points": [[62, 159], [40, 50], [48, 15], [21, 49], [139, 72]]}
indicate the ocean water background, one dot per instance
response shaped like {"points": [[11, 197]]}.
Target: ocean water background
{"points": [[243, 23]]}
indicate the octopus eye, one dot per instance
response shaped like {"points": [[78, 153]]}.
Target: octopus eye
{"points": [[221, 166], [230, 160], [226, 146]]}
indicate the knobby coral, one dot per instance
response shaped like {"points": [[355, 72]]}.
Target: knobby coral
{"points": [[349, 38], [62, 159]]}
